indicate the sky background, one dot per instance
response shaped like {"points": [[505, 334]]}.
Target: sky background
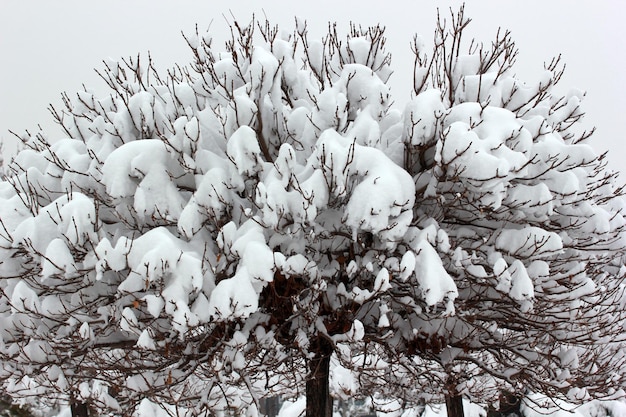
{"points": [[47, 47]]}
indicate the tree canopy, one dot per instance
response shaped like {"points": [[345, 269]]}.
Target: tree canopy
{"points": [[266, 221]]}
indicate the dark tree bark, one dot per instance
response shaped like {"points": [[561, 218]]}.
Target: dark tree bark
{"points": [[318, 400], [79, 410], [270, 406], [454, 405]]}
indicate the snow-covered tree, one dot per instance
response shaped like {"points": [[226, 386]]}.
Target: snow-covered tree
{"points": [[222, 233], [524, 218]]}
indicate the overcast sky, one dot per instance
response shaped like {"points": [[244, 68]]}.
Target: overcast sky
{"points": [[47, 47]]}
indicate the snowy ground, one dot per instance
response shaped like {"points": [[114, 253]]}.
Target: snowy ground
{"points": [[297, 409], [591, 409]]}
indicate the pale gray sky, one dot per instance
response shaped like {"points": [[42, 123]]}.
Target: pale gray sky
{"points": [[47, 47]]}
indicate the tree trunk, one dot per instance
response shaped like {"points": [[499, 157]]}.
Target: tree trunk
{"points": [[270, 406], [454, 405], [79, 409], [318, 400]]}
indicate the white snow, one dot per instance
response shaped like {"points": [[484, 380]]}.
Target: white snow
{"points": [[172, 206], [234, 297], [244, 150], [436, 284], [529, 241]]}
